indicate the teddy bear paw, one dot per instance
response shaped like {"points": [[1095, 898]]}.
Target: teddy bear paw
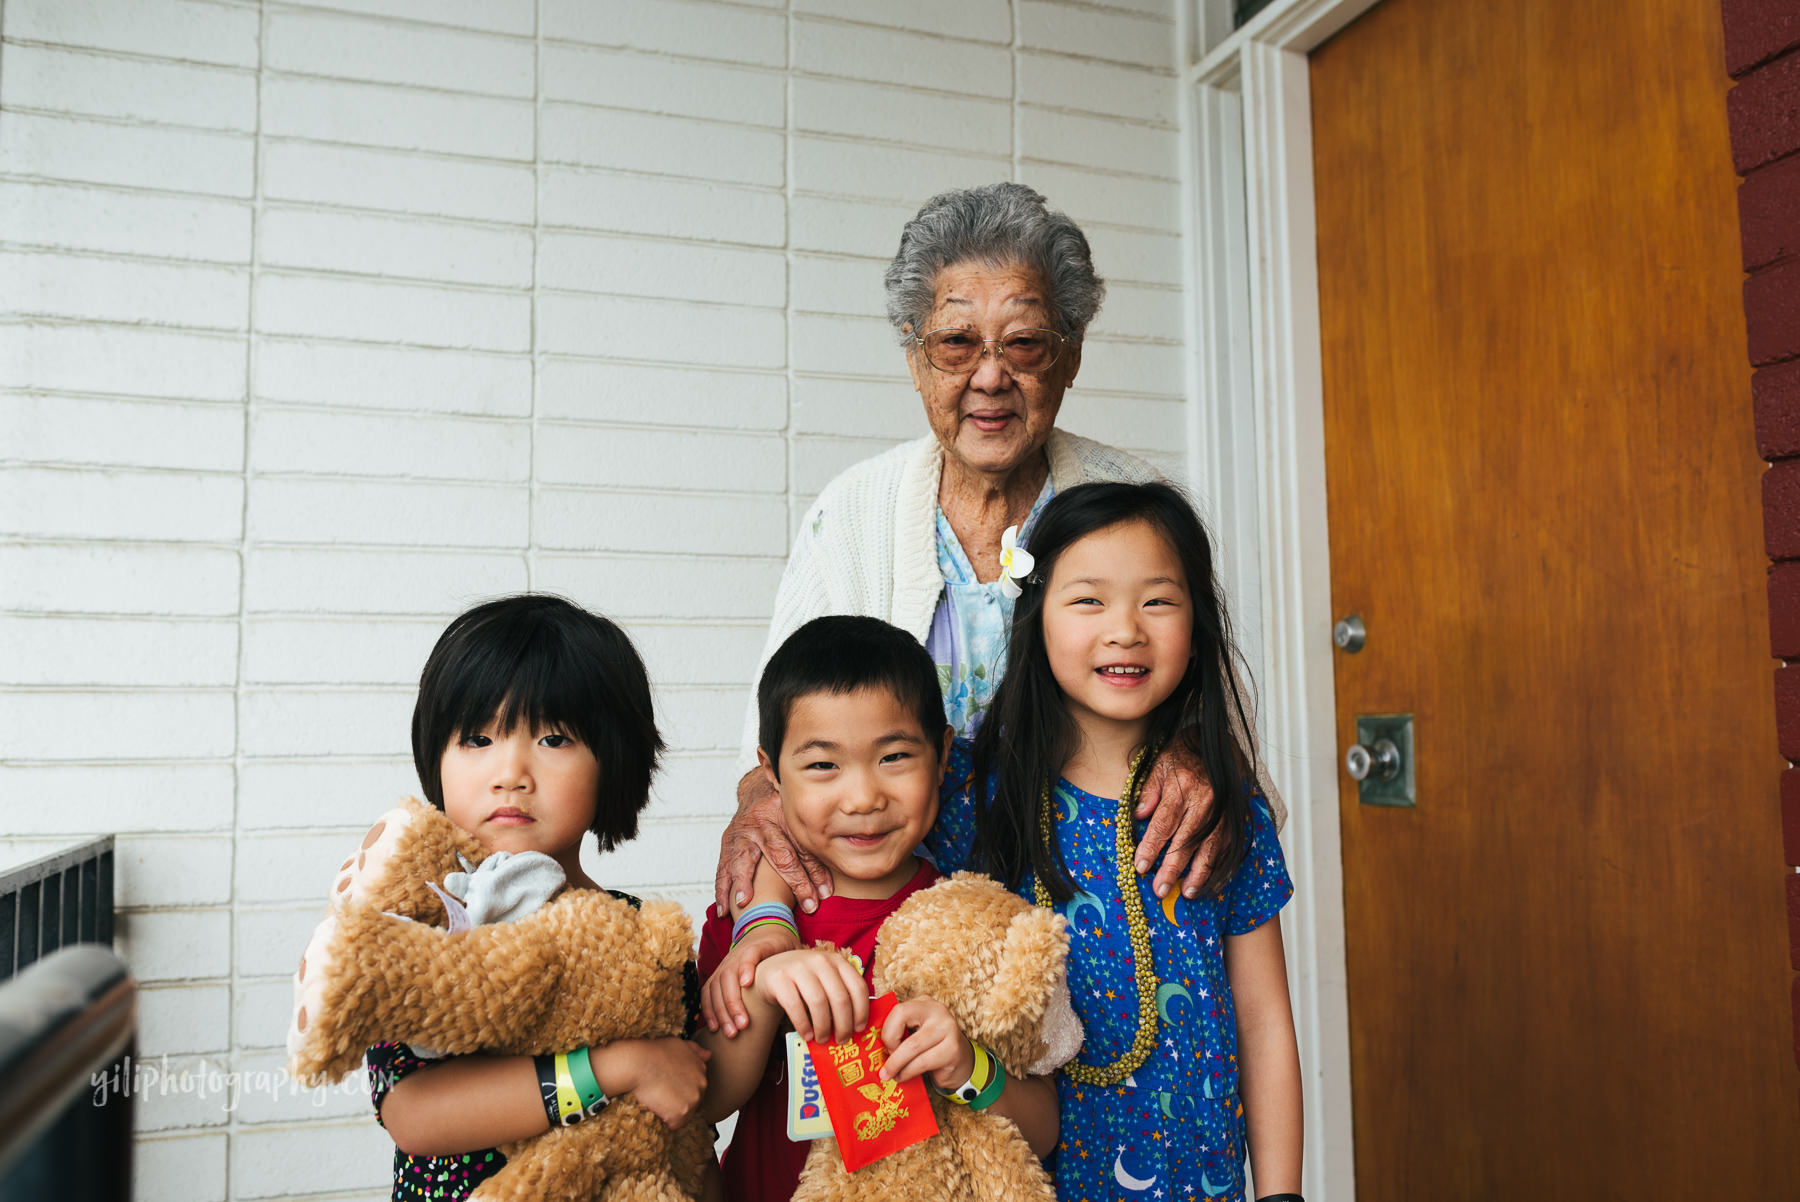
{"points": [[361, 878], [309, 983]]}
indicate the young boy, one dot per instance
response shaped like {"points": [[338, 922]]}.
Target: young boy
{"points": [[851, 734]]}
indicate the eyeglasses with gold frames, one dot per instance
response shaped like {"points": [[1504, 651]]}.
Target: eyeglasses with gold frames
{"points": [[1027, 352]]}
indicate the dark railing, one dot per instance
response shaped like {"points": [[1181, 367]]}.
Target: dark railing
{"points": [[53, 902], [68, 1018]]}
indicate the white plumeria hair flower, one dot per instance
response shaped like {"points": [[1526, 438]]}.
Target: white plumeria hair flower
{"points": [[1015, 562]]}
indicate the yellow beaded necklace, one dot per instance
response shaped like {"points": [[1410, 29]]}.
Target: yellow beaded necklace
{"points": [[1145, 1041]]}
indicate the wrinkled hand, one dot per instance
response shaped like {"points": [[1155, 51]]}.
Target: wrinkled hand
{"points": [[722, 997], [667, 1077], [921, 1037], [755, 834], [822, 993], [1178, 799]]}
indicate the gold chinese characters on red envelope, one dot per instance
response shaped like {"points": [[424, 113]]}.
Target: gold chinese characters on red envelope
{"points": [[871, 1118]]}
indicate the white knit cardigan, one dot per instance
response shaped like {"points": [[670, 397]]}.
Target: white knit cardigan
{"points": [[868, 545]]}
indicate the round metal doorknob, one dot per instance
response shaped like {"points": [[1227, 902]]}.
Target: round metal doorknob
{"points": [[1350, 634], [1382, 761]]}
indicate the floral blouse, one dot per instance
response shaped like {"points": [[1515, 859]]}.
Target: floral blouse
{"points": [[968, 632]]}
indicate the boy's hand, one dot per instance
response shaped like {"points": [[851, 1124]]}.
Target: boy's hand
{"points": [[667, 1076], [722, 997], [922, 1038], [822, 993]]}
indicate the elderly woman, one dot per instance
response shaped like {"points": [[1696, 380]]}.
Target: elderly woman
{"points": [[991, 293]]}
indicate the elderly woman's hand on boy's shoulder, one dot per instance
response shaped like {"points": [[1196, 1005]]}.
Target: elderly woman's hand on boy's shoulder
{"points": [[757, 833]]}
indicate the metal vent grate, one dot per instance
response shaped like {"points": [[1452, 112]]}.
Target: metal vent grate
{"points": [[53, 902]]}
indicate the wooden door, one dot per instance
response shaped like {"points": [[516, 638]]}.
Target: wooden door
{"points": [[1568, 966]]}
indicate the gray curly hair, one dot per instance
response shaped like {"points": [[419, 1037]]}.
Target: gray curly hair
{"points": [[1000, 225]]}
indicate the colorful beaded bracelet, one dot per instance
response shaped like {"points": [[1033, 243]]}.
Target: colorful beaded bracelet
{"points": [[764, 914]]}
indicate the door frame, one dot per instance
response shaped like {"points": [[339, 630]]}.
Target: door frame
{"points": [[1256, 448]]}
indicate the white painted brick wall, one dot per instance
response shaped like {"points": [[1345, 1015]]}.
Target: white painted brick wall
{"points": [[322, 320]]}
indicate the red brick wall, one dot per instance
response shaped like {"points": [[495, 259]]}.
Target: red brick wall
{"points": [[1762, 53]]}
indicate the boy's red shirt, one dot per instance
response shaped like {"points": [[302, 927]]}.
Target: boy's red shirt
{"points": [[762, 1164]]}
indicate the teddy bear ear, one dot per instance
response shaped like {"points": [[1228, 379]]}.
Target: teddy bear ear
{"points": [[1031, 962], [666, 932]]}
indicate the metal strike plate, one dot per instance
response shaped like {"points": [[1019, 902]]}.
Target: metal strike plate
{"points": [[1396, 790]]}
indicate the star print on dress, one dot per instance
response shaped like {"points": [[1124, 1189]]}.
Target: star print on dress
{"points": [[1174, 1128]]}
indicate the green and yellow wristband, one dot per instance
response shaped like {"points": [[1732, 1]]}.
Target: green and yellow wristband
{"points": [[568, 1088], [986, 1081]]}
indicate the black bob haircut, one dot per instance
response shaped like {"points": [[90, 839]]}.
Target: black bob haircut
{"points": [[545, 662], [840, 654], [1028, 735]]}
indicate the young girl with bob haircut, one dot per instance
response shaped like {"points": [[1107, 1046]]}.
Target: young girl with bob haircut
{"points": [[1120, 648], [533, 727]]}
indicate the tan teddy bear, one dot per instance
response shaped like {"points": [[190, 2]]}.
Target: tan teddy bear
{"points": [[996, 962], [584, 969]]}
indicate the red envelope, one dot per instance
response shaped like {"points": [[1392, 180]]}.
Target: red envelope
{"points": [[871, 1118]]}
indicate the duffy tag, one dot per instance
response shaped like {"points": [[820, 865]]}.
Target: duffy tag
{"points": [[871, 1118], [806, 1117]]}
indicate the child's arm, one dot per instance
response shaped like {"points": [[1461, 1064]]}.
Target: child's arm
{"points": [[1268, 1056], [722, 998], [922, 1037], [475, 1102]]}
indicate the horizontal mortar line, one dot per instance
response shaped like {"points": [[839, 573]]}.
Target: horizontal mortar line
{"points": [[80, 394], [1106, 176], [663, 239], [122, 189], [575, 168], [150, 260], [650, 236], [650, 490], [888, 202], [327, 9], [287, 339], [334, 208], [710, 368], [58, 321], [1157, 124], [267, 270], [29, 317], [264, 544], [115, 542], [707, 303], [347, 410], [1000, 46], [109, 689], [88, 467], [160, 618], [131, 55], [292, 74], [696, 58], [233, 133], [600, 106], [1111, 10], [849, 139], [274, 138]]}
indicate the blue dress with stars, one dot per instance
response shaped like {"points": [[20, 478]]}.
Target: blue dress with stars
{"points": [[1174, 1129]]}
